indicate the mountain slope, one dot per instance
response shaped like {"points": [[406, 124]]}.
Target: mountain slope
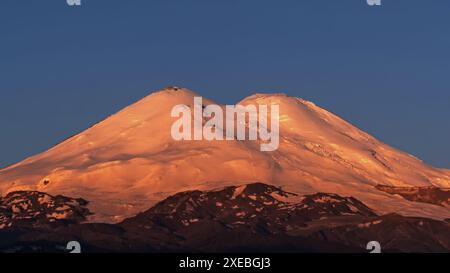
{"points": [[129, 161]]}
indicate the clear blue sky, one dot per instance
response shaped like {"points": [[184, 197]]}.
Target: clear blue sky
{"points": [[385, 69]]}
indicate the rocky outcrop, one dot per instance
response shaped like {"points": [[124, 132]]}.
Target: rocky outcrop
{"points": [[33, 209], [431, 195]]}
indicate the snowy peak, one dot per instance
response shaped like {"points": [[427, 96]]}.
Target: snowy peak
{"points": [[299, 116]]}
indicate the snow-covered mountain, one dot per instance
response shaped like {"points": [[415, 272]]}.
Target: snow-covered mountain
{"points": [[128, 162]]}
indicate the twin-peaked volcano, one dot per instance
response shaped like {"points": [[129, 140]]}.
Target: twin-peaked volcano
{"points": [[129, 161]]}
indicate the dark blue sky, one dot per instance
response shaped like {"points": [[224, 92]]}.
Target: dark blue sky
{"points": [[385, 69]]}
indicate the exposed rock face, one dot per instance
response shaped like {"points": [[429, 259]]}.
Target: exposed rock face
{"points": [[431, 195], [32, 209], [256, 206], [254, 217]]}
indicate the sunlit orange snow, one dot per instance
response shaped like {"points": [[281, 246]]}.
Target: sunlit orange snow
{"points": [[129, 161]]}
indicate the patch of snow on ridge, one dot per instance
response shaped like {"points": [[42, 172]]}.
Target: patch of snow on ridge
{"points": [[280, 198], [326, 199], [238, 191], [368, 224]]}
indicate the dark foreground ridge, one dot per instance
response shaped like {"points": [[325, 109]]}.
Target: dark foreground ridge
{"points": [[249, 218]]}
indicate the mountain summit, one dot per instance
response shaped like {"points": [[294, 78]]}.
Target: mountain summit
{"points": [[129, 161]]}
